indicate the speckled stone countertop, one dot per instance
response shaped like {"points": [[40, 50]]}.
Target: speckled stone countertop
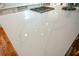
{"points": [[12, 10], [19, 8]]}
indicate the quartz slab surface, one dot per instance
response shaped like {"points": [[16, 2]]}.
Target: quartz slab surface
{"points": [[35, 34]]}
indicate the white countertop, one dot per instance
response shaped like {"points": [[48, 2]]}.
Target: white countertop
{"points": [[49, 33]]}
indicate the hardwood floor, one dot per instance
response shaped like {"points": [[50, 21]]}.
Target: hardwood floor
{"points": [[6, 48], [74, 49]]}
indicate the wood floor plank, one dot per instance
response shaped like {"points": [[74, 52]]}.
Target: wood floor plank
{"points": [[6, 47]]}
